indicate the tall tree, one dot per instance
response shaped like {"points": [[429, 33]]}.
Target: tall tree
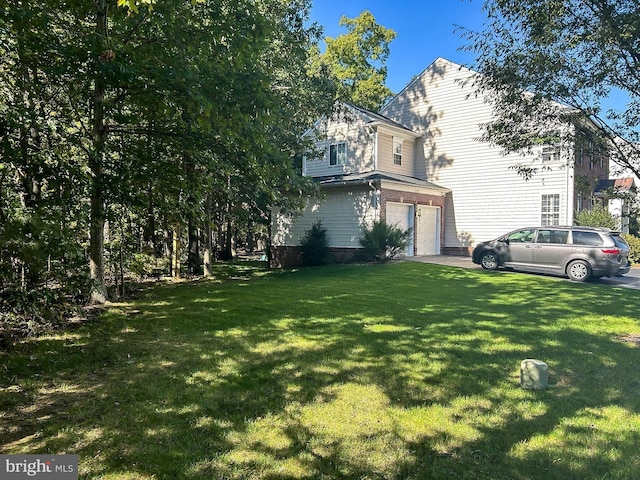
{"points": [[357, 60], [147, 105], [570, 56]]}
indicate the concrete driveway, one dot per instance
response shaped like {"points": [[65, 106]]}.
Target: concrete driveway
{"points": [[630, 280]]}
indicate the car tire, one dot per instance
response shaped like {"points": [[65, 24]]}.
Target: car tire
{"points": [[579, 271], [489, 261]]}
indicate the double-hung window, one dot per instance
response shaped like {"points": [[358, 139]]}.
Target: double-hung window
{"points": [[397, 151], [338, 153], [550, 153], [550, 209]]}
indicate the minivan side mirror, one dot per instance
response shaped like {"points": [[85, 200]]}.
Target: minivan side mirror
{"points": [[504, 240]]}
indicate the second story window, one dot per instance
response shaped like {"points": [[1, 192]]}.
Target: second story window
{"points": [[338, 153], [550, 153], [397, 151]]}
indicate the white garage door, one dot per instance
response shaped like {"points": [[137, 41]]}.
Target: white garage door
{"points": [[401, 215], [428, 230]]}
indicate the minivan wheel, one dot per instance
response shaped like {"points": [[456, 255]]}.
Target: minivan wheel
{"points": [[579, 271], [489, 261]]}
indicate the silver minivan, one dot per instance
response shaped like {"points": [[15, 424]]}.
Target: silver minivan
{"points": [[580, 253]]}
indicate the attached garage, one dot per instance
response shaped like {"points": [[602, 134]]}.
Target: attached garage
{"points": [[352, 202], [401, 215], [428, 230]]}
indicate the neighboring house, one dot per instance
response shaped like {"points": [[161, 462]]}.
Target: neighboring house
{"points": [[620, 196], [419, 163]]}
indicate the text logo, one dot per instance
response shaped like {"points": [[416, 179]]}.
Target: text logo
{"points": [[49, 467]]}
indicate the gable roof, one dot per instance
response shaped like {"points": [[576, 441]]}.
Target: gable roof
{"points": [[373, 118], [613, 186], [435, 67]]}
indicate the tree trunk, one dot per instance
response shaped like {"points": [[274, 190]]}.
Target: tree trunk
{"points": [[3, 215], [229, 241], [149, 238], [98, 292], [251, 238], [208, 253], [175, 258], [167, 244], [193, 255]]}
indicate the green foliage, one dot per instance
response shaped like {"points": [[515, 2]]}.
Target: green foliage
{"points": [[596, 217], [357, 60], [383, 242], [634, 247], [315, 245], [121, 123], [148, 265], [562, 52]]}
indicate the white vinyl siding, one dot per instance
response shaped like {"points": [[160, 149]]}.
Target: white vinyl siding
{"points": [[344, 211], [386, 151], [488, 198], [358, 155]]}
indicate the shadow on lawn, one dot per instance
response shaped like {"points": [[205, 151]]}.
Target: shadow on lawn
{"points": [[385, 371]]}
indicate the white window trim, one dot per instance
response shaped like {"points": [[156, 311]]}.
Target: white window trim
{"points": [[554, 213], [397, 142], [550, 153], [340, 159]]}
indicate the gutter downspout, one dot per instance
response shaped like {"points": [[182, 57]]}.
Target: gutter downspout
{"points": [[375, 201], [571, 184]]}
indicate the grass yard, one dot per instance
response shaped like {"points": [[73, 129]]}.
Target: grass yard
{"points": [[395, 371]]}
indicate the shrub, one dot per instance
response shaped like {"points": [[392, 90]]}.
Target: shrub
{"points": [[383, 242], [596, 217], [634, 247], [315, 245]]}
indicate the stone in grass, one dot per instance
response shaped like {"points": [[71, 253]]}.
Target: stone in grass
{"points": [[534, 374]]}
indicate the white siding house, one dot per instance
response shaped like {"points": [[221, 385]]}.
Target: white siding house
{"points": [[365, 169], [488, 197], [420, 164]]}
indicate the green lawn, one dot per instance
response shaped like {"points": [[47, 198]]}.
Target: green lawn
{"points": [[393, 371]]}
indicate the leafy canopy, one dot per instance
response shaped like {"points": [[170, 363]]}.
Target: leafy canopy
{"points": [[357, 61], [571, 55]]}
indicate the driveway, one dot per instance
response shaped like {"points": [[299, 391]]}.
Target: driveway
{"points": [[630, 280]]}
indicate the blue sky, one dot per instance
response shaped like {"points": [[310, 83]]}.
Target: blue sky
{"points": [[425, 29]]}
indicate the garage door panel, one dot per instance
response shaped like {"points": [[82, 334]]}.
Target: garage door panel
{"points": [[401, 215], [428, 231]]}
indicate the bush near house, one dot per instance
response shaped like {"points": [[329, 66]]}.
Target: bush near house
{"points": [[383, 242], [596, 217], [315, 245], [634, 247]]}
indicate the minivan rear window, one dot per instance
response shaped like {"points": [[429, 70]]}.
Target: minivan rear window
{"points": [[619, 241], [586, 238]]}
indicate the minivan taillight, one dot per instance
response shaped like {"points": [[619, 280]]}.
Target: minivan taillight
{"points": [[611, 251]]}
